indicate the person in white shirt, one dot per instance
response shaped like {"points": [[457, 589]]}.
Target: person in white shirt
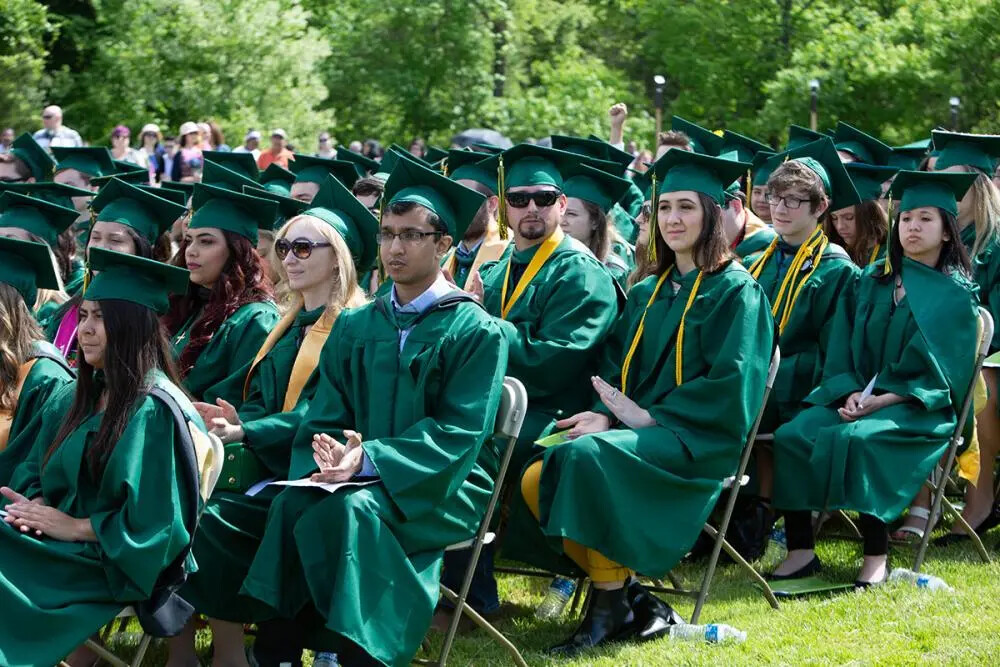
{"points": [[251, 143], [55, 133]]}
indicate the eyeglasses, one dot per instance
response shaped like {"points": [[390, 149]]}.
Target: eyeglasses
{"points": [[410, 236], [791, 203], [301, 248], [47, 116], [542, 199]]}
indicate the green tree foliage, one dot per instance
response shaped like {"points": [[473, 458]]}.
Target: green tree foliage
{"points": [[24, 28]]}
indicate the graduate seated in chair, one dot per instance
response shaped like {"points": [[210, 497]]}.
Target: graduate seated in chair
{"points": [[681, 384], [897, 371], [407, 395], [321, 252], [97, 511]]}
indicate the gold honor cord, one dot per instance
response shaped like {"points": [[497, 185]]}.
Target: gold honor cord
{"points": [[874, 255], [679, 360], [548, 246], [654, 225], [790, 289], [502, 192]]}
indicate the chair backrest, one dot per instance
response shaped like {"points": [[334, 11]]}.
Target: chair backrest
{"points": [[513, 406], [211, 478], [986, 325], [772, 371]]}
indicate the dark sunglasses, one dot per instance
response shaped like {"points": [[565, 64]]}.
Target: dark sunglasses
{"points": [[542, 199], [301, 248]]}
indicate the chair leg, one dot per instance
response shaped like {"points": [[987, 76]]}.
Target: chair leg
{"points": [[140, 653], [742, 562], [577, 595], [970, 531], [485, 625]]}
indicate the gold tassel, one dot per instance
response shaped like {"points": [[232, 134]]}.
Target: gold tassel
{"points": [[888, 239], [749, 187], [444, 167], [654, 228], [379, 267], [502, 211]]}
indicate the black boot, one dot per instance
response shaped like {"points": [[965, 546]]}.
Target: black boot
{"points": [[608, 619], [652, 616]]}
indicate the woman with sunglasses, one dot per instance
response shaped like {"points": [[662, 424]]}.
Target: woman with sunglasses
{"points": [[321, 252], [30, 370], [128, 220], [98, 510], [681, 383], [898, 367], [217, 327]]}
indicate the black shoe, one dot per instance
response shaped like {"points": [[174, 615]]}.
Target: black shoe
{"points": [[652, 616], [807, 570], [609, 618], [991, 521], [862, 585]]}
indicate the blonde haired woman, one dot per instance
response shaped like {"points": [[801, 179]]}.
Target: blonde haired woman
{"points": [[322, 252]]}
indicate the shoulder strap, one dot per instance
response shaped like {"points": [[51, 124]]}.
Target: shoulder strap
{"points": [[45, 350]]}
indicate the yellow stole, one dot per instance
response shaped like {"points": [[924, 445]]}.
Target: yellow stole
{"points": [[7, 416], [490, 250], [305, 361], [545, 251]]}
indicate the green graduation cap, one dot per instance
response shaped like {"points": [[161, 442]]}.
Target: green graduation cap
{"points": [[41, 164], [89, 160], [311, 169], [466, 165], [821, 157], [868, 179], [288, 208], [242, 163], [277, 179], [862, 146], [175, 196], [336, 206], [916, 189], [644, 181], [27, 267], [434, 154], [365, 165], [686, 170], [231, 211], [733, 189], [745, 147], [388, 163], [217, 176], [150, 215], [759, 173], [35, 216], [910, 155], [454, 203], [800, 136], [405, 151], [595, 186], [142, 281], [57, 193], [124, 171], [179, 186], [594, 147], [530, 164], [702, 140], [976, 150]]}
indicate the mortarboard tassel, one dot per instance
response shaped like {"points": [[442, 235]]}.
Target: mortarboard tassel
{"points": [[654, 227], [502, 212], [444, 167], [888, 242]]}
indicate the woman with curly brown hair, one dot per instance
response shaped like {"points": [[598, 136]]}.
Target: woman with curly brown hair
{"points": [[217, 327]]}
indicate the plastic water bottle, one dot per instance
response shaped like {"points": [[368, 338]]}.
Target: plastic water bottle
{"points": [[325, 659], [920, 580], [777, 548], [712, 633], [560, 591]]}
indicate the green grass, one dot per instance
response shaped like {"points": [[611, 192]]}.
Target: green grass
{"points": [[890, 625]]}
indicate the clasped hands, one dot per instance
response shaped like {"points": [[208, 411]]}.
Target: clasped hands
{"points": [[34, 516], [337, 462], [621, 406], [222, 420], [855, 408]]}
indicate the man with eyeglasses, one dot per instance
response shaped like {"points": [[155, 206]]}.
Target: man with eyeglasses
{"points": [[407, 394], [54, 133]]}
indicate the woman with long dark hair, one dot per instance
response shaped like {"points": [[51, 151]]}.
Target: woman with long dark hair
{"points": [[129, 220], [29, 370], [862, 229], [682, 380], [897, 369], [320, 253], [217, 327], [97, 511]]}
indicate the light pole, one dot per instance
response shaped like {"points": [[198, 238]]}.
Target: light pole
{"points": [[813, 104], [955, 104], [659, 81]]}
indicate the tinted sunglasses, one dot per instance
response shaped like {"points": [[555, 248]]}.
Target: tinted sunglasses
{"points": [[301, 248], [542, 199]]}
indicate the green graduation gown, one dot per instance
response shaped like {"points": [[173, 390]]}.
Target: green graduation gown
{"points": [[986, 273], [923, 349], [756, 237], [55, 594], [233, 523], [368, 559], [222, 365], [807, 334], [592, 487], [44, 380]]}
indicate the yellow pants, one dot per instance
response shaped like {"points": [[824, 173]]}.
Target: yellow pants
{"points": [[601, 570]]}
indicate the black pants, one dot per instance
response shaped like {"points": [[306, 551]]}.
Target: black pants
{"points": [[799, 533]]}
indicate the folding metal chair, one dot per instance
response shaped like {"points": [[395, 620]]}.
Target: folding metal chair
{"points": [[733, 484], [937, 482], [510, 417], [210, 468]]}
